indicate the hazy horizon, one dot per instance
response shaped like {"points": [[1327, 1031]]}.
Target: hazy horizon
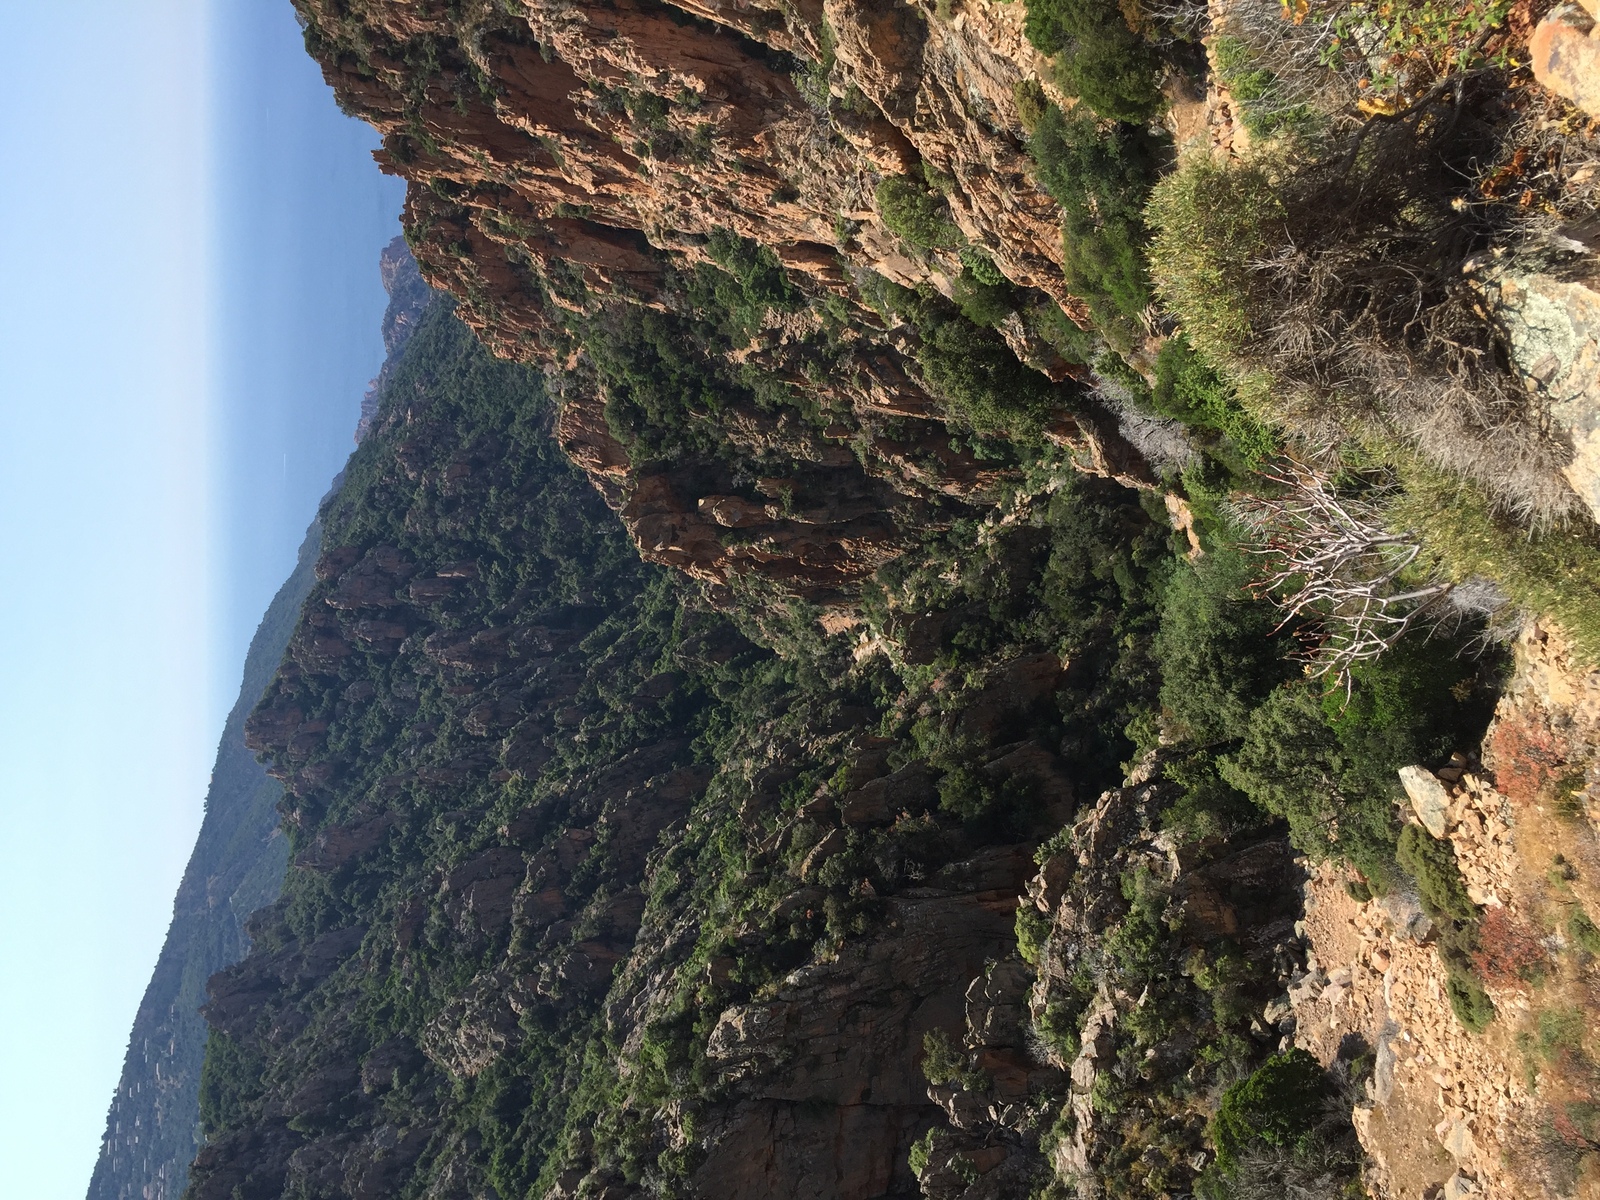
{"points": [[191, 233]]}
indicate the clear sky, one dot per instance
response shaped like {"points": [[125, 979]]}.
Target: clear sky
{"points": [[189, 234]]}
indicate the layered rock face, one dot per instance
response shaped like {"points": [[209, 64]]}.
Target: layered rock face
{"points": [[575, 168]]}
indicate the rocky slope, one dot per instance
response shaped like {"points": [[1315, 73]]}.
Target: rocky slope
{"points": [[1510, 1111], [571, 165], [153, 1128]]}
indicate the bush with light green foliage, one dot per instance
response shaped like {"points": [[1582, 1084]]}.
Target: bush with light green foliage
{"points": [[1209, 222], [916, 214]]}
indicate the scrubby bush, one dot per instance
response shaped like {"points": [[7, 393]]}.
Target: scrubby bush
{"points": [[760, 275], [1210, 222], [1583, 932], [1294, 766], [983, 295], [1280, 1105], [1101, 176], [1468, 1000], [1098, 57], [1264, 107], [1554, 572], [1334, 294], [1431, 862], [1190, 389], [1207, 806], [916, 214], [1218, 659], [230, 1084], [1031, 102]]}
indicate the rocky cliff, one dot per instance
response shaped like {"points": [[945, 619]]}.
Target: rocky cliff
{"points": [[666, 183], [153, 1128]]}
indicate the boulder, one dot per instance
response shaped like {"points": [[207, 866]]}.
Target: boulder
{"points": [[1552, 331], [1565, 54], [1430, 800]]}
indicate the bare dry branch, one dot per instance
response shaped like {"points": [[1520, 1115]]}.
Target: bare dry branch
{"points": [[1331, 563]]}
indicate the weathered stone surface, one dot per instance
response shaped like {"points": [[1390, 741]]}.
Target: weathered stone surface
{"points": [[1565, 55], [1552, 327], [1430, 799]]}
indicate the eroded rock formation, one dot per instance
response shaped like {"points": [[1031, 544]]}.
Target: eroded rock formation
{"points": [[570, 166]]}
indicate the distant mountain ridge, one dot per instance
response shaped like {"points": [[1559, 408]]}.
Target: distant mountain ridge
{"points": [[153, 1127], [409, 297]]}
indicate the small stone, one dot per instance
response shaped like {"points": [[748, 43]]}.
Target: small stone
{"points": [[1429, 799], [1460, 1185], [1457, 1141]]}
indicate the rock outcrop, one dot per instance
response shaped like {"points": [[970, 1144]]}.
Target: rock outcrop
{"points": [[575, 172], [1565, 55]]}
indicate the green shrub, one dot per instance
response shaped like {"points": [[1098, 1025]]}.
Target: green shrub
{"points": [[1207, 805], [1031, 102], [1218, 659], [916, 214], [1098, 57], [977, 263], [1101, 177], [1431, 862], [1258, 93], [1281, 1105], [982, 301], [1585, 934], [230, 1084], [1210, 223], [761, 276], [1294, 766], [1190, 390], [1468, 1000], [1033, 927], [1562, 1033], [1554, 573], [982, 381], [921, 1150], [944, 1062]]}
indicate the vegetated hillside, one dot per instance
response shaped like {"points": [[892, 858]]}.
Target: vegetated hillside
{"points": [[153, 1128], [597, 886], [1100, 447]]}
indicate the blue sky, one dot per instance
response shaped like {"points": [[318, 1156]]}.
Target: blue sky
{"points": [[189, 234]]}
